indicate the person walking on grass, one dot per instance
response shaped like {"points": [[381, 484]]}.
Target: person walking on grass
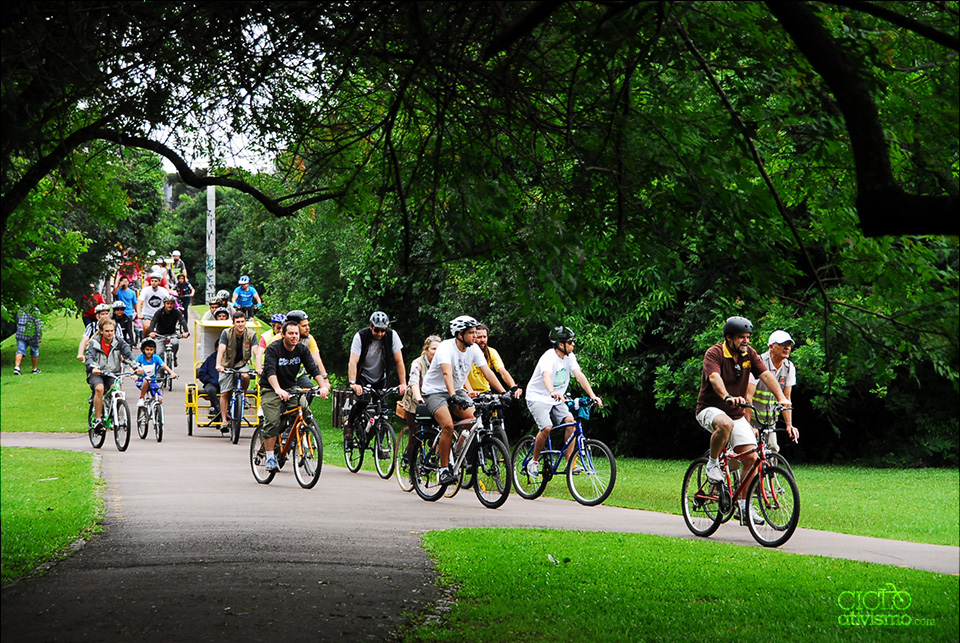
{"points": [[29, 335]]}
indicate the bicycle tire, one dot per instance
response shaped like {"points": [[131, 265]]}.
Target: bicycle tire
{"points": [[775, 459], [529, 487], [426, 474], [143, 421], [592, 473], [401, 457], [774, 497], [454, 489], [308, 455], [96, 436], [500, 432], [237, 418], [190, 422], [384, 446], [353, 452], [699, 501], [158, 421], [121, 425], [168, 358], [491, 481], [258, 459]]}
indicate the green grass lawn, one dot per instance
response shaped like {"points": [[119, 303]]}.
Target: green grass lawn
{"points": [[47, 499], [523, 585], [54, 400]]}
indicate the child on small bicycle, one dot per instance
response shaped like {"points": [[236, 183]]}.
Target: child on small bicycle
{"points": [[151, 363]]}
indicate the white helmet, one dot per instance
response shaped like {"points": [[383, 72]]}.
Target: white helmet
{"points": [[462, 323], [379, 320]]}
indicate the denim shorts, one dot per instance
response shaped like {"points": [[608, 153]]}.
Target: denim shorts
{"points": [[34, 345]]}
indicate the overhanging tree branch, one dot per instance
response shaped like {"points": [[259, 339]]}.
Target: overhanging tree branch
{"points": [[928, 32]]}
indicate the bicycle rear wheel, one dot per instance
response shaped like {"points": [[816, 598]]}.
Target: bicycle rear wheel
{"points": [[774, 497], [384, 447], [237, 418], [700, 500], [258, 459], [426, 472], [529, 487], [308, 455], [491, 481], [401, 467], [143, 421], [97, 436], [121, 425], [158, 421], [353, 449]]}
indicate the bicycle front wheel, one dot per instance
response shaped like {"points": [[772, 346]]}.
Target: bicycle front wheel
{"points": [[402, 456], [528, 486], [158, 421], [700, 500], [491, 481], [258, 459], [308, 455], [774, 498], [777, 460], [592, 473], [385, 445], [121, 425], [426, 472], [143, 422], [97, 436], [237, 418]]}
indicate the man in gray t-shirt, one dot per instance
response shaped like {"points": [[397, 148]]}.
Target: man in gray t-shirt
{"points": [[369, 356]]}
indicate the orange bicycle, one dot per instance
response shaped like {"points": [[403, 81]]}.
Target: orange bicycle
{"points": [[299, 440]]}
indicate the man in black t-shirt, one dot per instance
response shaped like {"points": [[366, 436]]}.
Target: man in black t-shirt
{"points": [[281, 363]]}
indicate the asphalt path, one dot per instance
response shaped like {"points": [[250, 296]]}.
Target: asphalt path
{"points": [[193, 548]]}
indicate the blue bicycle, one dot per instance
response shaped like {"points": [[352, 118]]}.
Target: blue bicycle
{"points": [[591, 470]]}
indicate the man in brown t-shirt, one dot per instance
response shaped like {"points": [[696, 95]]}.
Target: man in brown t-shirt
{"points": [[723, 386]]}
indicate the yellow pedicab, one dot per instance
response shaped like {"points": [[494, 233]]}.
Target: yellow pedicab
{"points": [[244, 406]]}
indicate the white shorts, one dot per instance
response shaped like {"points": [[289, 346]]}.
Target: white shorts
{"points": [[742, 431]]}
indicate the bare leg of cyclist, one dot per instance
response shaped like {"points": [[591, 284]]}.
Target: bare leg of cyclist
{"points": [[224, 404], [98, 402], [445, 420]]}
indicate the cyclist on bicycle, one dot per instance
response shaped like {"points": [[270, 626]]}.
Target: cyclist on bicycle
{"points": [[368, 362], [150, 301], [245, 295], [281, 363], [776, 360], [443, 390], [150, 363], [476, 381], [102, 311], [124, 322], [275, 330], [307, 340], [166, 321], [104, 359], [237, 345], [723, 387], [546, 389]]}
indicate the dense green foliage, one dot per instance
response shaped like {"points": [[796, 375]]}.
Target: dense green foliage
{"points": [[528, 585]]}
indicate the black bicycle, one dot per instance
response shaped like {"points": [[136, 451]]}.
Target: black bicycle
{"points": [[371, 430]]}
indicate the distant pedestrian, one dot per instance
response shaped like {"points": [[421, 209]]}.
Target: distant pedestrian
{"points": [[29, 334]]}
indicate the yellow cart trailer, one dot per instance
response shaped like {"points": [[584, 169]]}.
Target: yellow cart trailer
{"points": [[204, 412]]}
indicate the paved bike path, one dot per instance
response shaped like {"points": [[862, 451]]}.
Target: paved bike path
{"points": [[194, 548]]}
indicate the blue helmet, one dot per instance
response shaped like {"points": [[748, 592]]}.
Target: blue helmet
{"points": [[244, 280], [279, 318]]}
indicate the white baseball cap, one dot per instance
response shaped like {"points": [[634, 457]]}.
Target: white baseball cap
{"points": [[779, 337]]}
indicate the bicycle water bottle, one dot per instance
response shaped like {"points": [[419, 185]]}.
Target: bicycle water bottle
{"points": [[370, 423]]}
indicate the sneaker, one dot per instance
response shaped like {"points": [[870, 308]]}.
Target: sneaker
{"points": [[140, 403], [533, 469], [272, 464], [383, 454], [16, 371], [446, 477], [36, 371], [738, 514], [98, 425], [714, 473], [578, 469]]}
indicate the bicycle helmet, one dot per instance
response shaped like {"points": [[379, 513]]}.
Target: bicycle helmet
{"points": [[101, 308], [561, 334], [296, 316], [279, 318], [379, 320], [244, 280], [223, 295], [169, 298], [149, 341], [156, 275], [176, 253], [222, 313], [736, 325], [117, 305], [213, 300], [462, 323]]}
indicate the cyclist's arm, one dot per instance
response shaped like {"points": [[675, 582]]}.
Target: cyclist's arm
{"points": [[716, 381], [275, 385], [221, 350], [193, 291], [352, 373], [82, 349], [548, 383], [401, 371], [494, 382], [256, 296], [751, 389], [447, 371], [512, 383], [585, 385], [183, 324], [788, 415]]}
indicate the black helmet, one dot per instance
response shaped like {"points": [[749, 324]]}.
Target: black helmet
{"points": [[296, 316], [736, 325], [561, 334]]}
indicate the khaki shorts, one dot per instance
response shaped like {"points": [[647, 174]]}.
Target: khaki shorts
{"points": [[742, 431]]}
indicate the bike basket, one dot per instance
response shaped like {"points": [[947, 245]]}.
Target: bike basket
{"points": [[582, 406]]}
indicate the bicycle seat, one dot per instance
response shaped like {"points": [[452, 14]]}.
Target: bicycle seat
{"points": [[423, 413]]}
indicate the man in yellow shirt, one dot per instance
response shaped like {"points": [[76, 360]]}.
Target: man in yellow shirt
{"points": [[476, 382]]}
